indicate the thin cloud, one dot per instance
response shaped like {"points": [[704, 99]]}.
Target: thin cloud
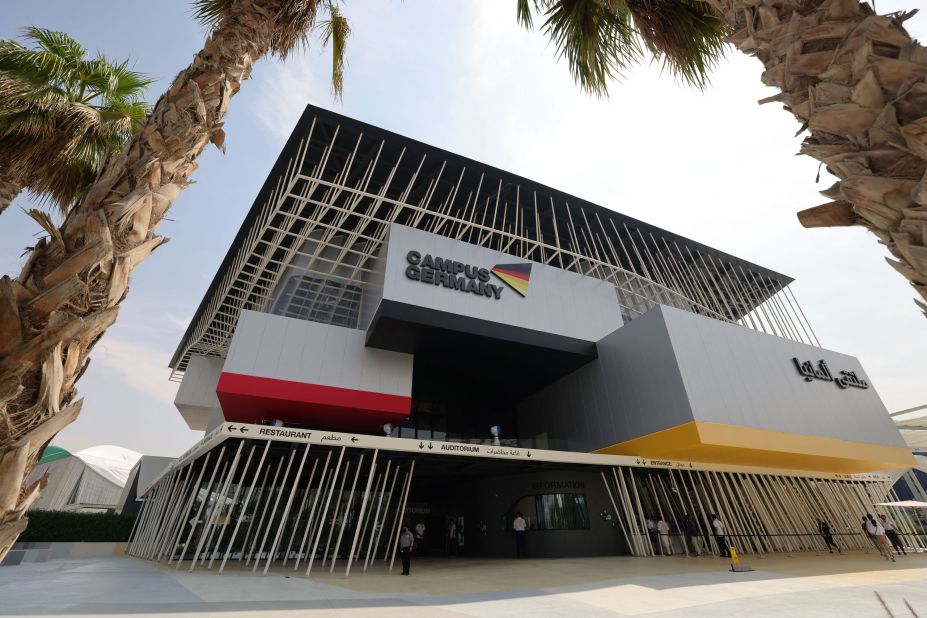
{"points": [[143, 369]]}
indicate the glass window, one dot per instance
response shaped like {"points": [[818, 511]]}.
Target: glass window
{"points": [[550, 512], [562, 512]]}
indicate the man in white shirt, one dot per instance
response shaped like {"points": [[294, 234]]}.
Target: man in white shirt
{"points": [[892, 534], [520, 526], [877, 532], [719, 535], [663, 529]]}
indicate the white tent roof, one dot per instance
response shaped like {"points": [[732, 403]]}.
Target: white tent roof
{"points": [[904, 503], [113, 463]]}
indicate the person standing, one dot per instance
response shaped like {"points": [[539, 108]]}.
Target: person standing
{"points": [[719, 536], [870, 536], [420, 536], [520, 526], [663, 529], [878, 533], [690, 529], [406, 543], [892, 534], [652, 533], [824, 529], [451, 536]]}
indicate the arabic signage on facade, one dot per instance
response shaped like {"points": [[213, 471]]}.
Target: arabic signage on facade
{"points": [[845, 379]]}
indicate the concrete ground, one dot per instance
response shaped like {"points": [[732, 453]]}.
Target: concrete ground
{"points": [[803, 585]]}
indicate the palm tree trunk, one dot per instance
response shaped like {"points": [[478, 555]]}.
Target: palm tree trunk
{"points": [[70, 288], [9, 189], [858, 83]]}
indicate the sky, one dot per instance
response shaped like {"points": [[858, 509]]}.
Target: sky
{"points": [[711, 165]]}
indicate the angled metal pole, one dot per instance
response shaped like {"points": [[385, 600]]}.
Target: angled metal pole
{"points": [[360, 516], [210, 505], [324, 513], [331, 528], [302, 507], [199, 510], [401, 512], [264, 510], [347, 513], [244, 506], [286, 511], [241, 483], [219, 504], [194, 490], [371, 547], [315, 503]]}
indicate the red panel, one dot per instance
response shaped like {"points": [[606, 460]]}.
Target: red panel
{"points": [[251, 399]]}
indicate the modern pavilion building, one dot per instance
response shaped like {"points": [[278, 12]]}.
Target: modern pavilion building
{"points": [[399, 335]]}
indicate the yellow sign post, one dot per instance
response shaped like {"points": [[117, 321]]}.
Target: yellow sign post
{"points": [[737, 565]]}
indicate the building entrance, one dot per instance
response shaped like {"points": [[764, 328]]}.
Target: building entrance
{"points": [[259, 497]]}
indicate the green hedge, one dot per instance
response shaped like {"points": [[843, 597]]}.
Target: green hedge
{"points": [[60, 526]]}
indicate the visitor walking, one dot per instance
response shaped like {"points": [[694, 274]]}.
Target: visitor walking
{"points": [[824, 529], [420, 536], [663, 529], [870, 536], [691, 530], [520, 526], [878, 533], [719, 536], [892, 535], [652, 533], [406, 543]]}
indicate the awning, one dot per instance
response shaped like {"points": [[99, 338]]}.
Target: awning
{"points": [[913, 503]]}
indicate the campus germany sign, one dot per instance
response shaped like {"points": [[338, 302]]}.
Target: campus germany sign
{"points": [[456, 275]]}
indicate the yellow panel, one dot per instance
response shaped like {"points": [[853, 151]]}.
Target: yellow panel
{"points": [[747, 446]]}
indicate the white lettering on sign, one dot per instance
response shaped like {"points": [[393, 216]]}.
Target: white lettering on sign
{"points": [[285, 433], [460, 447]]}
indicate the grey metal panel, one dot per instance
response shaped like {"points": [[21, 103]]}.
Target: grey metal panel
{"points": [[196, 398], [281, 348], [738, 376], [558, 301], [672, 367], [632, 389]]}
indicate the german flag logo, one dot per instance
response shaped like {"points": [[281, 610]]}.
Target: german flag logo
{"points": [[514, 275]]}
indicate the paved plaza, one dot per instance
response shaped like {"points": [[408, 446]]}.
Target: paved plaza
{"points": [[802, 585]]}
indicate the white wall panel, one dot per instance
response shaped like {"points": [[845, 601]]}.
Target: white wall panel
{"points": [[281, 348], [736, 375], [558, 301]]}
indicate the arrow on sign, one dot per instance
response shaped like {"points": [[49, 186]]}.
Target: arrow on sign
{"points": [[430, 446], [421, 445], [353, 438], [243, 429], [529, 453], [232, 427]]}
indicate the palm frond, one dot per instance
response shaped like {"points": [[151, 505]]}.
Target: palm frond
{"points": [[62, 114], [595, 37], [601, 38], [57, 44], [684, 34], [210, 12], [336, 30]]}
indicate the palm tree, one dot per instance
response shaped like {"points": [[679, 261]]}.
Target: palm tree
{"points": [[61, 115], [854, 79], [70, 288]]}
